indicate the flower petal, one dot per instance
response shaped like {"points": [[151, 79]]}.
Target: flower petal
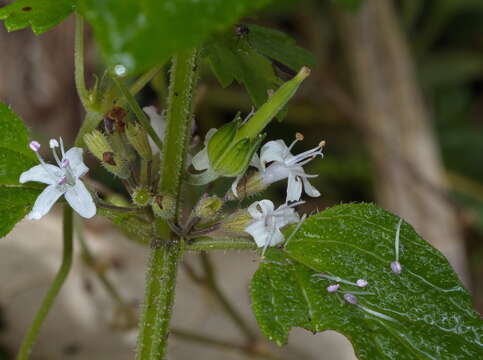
{"points": [[47, 174], [201, 161], [81, 200], [255, 162], [44, 202], [258, 232], [158, 123], [294, 188], [309, 189], [273, 151], [209, 135], [74, 155]]}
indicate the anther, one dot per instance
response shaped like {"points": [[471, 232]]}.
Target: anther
{"points": [[396, 267], [333, 288], [351, 299], [34, 146], [53, 143], [62, 180], [322, 143], [361, 283], [299, 136], [65, 163]]}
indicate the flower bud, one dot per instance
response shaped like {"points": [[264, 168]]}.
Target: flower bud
{"points": [[236, 223], [164, 206], [141, 196], [208, 207], [100, 147], [247, 186], [138, 138]]}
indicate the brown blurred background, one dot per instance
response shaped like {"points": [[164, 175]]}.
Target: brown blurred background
{"points": [[398, 96]]}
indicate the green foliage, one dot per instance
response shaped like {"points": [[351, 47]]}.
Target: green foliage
{"points": [[141, 34], [16, 203], [15, 158], [351, 5], [15, 155], [234, 59], [423, 313], [41, 15], [250, 57]]}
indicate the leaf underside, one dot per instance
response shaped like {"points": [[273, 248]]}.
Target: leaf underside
{"points": [[423, 313]]}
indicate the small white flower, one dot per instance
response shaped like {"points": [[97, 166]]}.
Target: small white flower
{"points": [[62, 180], [267, 222], [158, 123], [285, 165]]}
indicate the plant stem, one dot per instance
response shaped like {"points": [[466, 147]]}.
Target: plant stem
{"points": [[207, 243], [53, 291], [140, 114], [80, 82], [211, 283], [167, 247]]}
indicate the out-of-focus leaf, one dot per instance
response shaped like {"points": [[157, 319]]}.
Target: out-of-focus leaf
{"points": [[15, 155], [15, 203], [423, 313], [280, 47], [141, 34], [41, 15], [351, 5], [232, 58]]}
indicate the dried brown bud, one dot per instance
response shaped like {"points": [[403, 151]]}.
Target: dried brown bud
{"points": [[108, 158]]}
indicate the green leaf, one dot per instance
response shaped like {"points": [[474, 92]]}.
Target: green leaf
{"points": [[16, 203], [423, 313], [233, 60], [41, 15], [15, 155], [277, 46], [141, 34]]}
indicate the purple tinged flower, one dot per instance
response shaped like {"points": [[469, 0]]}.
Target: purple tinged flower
{"points": [[362, 283]]}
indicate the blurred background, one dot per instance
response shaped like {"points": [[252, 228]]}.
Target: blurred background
{"points": [[397, 94]]}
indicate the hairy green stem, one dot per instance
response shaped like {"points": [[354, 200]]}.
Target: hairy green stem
{"points": [[53, 291], [167, 247], [207, 243], [140, 114], [80, 82]]}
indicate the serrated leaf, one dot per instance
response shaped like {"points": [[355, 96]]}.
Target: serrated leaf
{"points": [[280, 47], [141, 34], [16, 202], [423, 313], [15, 156], [41, 15]]}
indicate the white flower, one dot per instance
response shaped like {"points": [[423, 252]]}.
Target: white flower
{"points": [[158, 123], [285, 165], [62, 180], [267, 222], [201, 161]]}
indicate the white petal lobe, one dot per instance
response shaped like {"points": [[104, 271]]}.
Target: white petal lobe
{"points": [[80, 200]]}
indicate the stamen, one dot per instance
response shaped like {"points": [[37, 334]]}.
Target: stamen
{"points": [[62, 180], [299, 136], [297, 227], [322, 144], [351, 299], [53, 143], [362, 283], [337, 279], [56, 157], [396, 267], [62, 147], [333, 288], [34, 146], [306, 154], [396, 242]]}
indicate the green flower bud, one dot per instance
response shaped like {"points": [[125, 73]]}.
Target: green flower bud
{"points": [[222, 140], [164, 206], [142, 196], [249, 185], [236, 223], [208, 207], [138, 138], [97, 144]]}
